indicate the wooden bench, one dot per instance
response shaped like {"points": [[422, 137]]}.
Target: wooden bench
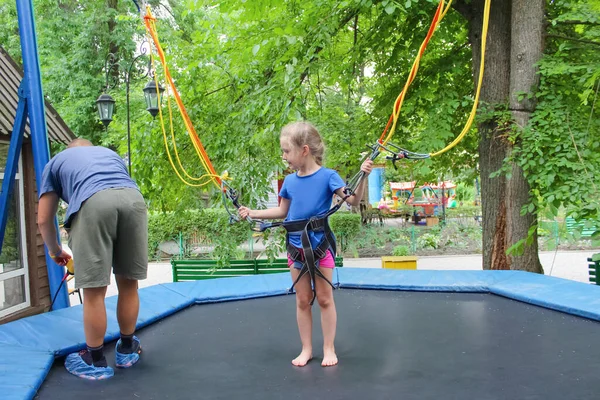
{"points": [[594, 269], [193, 270]]}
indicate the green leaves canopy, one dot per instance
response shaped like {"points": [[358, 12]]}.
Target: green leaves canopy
{"points": [[245, 69]]}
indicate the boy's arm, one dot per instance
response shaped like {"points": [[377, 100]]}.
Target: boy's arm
{"points": [[47, 207]]}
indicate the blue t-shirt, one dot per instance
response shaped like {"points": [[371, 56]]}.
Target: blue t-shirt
{"points": [[76, 174], [310, 196]]}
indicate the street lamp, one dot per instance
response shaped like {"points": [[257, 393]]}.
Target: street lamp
{"points": [[106, 103], [106, 107], [151, 96]]}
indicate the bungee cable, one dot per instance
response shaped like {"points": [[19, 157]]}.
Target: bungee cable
{"points": [[382, 146], [210, 175], [390, 128]]}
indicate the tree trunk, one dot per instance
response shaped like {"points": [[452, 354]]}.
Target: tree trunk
{"points": [[502, 198], [493, 148], [113, 47], [526, 50], [112, 24]]}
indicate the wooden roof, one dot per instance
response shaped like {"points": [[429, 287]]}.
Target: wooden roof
{"points": [[10, 79]]}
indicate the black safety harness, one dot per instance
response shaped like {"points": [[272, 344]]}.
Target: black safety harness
{"points": [[308, 256]]}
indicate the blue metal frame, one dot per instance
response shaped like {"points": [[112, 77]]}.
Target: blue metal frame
{"points": [[12, 162], [37, 121]]}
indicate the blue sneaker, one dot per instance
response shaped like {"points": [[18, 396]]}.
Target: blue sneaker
{"points": [[126, 360], [80, 364]]}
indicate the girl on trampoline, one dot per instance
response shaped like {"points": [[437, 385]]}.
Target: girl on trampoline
{"points": [[306, 194]]}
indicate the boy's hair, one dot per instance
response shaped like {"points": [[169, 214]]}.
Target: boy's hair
{"points": [[305, 134]]}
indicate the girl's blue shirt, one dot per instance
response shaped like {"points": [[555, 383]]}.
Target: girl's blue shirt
{"points": [[310, 196]]}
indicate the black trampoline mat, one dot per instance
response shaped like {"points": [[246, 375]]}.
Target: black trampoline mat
{"points": [[391, 345]]}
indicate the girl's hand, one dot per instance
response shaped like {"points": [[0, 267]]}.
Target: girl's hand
{"points": [[244, 212], [367, 166]]}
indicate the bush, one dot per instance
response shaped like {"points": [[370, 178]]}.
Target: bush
{"points": [[428, 240], [465, 211], [210, 224], [346, 226], [401, 251], [465, 192]]}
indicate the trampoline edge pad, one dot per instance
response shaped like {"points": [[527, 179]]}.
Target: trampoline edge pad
{"points": [[22, 371]]}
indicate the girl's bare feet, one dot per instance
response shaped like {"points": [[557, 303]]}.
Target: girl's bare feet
{"points": [[304, 357], [329, 358]]}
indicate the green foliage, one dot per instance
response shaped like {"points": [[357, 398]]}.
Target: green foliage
{"points": [[560, 150], [465, 193], [212, 226], [275, 242], [464, 211], [345, 226], [370, 237], [245, 69], [401, 251], [428, 240], [73, 41], [11, 244]]}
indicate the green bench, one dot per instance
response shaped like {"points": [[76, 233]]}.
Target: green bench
{"points": [[193, 270], [594, 268], [582, 226]]}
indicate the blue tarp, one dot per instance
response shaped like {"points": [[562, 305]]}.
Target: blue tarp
{"points": [[28, 346]]}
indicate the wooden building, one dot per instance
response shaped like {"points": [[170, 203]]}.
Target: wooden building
{"points": [[24, 286]]}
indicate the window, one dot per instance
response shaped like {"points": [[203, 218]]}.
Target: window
{"points": [[14, 277]]}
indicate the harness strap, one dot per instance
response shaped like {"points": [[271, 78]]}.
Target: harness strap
{"points": [[309, 254]]}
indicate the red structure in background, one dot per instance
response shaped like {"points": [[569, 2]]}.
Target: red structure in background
{"points": [[431, 196]]}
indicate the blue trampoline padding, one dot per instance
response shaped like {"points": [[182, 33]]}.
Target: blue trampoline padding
{"points": [[238, 288], [22, 371], [426, 281], [156, 302], [49, 332], [555, 293], [66, 328], [28, 346]]}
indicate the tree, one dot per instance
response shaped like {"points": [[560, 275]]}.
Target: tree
{"points": [[244, 69], [74, 38], [515, 44], [560, 150]]}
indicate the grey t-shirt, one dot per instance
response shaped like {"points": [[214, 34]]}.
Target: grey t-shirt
{"points": [[76, 174]]}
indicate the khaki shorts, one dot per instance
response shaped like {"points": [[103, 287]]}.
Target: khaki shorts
{"points": [[110, 230]]}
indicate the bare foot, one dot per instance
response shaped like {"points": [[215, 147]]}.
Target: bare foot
{"points": [[304, 357], [329, 358]]}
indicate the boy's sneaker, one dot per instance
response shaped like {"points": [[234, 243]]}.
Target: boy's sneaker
{"points": [[81, 365], [125, 358]]}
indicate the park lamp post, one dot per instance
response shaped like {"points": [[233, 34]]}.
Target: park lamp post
{"points": [[106, 104], [151, 94], [106, 107]]}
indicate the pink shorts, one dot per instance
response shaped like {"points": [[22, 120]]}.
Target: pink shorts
{"points": [[325, 262]]}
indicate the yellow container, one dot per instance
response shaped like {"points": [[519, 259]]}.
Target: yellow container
{"points": [[406, 262], [432, 221]]}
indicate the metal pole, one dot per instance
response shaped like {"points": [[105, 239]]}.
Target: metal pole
{"points": [[128, 123], [12, 162], [443, 202], [37, 122], [128, 87]]}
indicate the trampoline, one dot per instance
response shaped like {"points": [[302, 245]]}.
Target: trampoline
{"points": [[401, 334]]}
